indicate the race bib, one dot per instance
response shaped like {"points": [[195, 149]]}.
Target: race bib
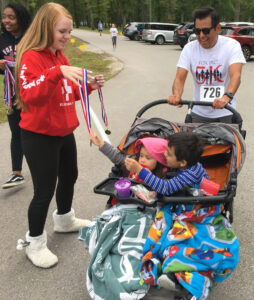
{"points": [[209, 93]]}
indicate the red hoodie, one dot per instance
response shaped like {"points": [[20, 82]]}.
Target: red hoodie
{"points": [[49, 96]]}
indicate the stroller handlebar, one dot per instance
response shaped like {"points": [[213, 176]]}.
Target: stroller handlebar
{"points": [[236, 116]]}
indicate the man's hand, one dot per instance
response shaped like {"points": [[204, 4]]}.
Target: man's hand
{"points": [[221, 102], [95, 139], [174, 100], [132, 165]]}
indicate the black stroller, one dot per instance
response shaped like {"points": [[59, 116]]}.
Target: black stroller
{"points": [[223, 158]]}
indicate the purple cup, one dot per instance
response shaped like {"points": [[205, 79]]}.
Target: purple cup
{"points": [[123, 188]]}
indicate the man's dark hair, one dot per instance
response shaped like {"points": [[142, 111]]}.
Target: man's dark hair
{"points": [[188, 146], [202, 13], [22, 14]]}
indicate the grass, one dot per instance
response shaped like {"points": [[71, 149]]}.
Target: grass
{"points": [[98, 63]]}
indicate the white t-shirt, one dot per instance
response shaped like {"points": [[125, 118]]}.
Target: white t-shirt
{"points": [[210, 68], [113, 31]]}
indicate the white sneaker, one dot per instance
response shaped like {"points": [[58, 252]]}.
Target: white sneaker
{"points": [[38, 252], [68, 222], [168, 283]]}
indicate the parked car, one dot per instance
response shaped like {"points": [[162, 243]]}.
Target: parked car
{"points": [[239, 24], [159, 33], [244, 35], [182, 33], [132, 30]]}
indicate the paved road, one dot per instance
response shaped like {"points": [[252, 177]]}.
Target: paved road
{"points": [[147, 75]]}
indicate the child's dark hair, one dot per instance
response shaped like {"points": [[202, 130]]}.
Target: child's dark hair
{"points": [[22, 15], [188, 146]]}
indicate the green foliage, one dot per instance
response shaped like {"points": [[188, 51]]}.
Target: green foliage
{"points": [[89, 12]]}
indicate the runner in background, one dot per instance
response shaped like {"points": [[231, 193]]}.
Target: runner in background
{"points": [[100, 27], [113, 33]]}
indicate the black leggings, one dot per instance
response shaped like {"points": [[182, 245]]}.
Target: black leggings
{"points": [[50, 158], [16, 149]]}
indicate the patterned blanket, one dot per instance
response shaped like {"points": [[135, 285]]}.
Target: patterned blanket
{"points": [[197, 245], [115, 240]]}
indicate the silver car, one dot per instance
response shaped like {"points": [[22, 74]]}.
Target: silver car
{"points": [[159, 33]]}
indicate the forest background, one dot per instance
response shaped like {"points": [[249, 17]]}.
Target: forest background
{"points": [[89, 12]]}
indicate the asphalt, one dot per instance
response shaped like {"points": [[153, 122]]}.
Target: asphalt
{"points": [[147, 75]]}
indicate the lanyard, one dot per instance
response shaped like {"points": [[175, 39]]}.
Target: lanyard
{"points": [[9, 84], [83, 89]]}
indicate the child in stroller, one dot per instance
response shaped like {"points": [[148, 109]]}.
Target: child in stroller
{"points": [[179, 234], [225, 148]]}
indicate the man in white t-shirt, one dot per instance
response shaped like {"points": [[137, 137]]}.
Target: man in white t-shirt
{"points": [[113, 33], [216, 63]]}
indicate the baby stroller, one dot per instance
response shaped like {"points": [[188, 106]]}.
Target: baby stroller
{"points": [[223, 158]]}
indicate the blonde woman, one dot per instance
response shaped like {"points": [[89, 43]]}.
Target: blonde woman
{"points": [[47, 89]]}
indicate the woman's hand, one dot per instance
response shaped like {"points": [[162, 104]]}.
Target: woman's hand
{"points": [[132, 165], [95, 139], [96, 81], [2, 64], [75, 74], [72, 73]]}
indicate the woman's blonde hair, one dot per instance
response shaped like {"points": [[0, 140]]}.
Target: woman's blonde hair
{"points": [[40, 35]]}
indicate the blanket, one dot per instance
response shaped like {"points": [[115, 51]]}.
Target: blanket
{"points": [[115, 240], [197, 245]]}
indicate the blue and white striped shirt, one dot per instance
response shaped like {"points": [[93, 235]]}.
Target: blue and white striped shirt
{"points": [[188, 177]]}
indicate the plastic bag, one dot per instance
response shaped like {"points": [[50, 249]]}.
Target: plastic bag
{"points": [[143, 193]]}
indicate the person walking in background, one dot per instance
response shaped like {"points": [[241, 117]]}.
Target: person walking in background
{"points": [[47, 87], [15, 21], [100, 27], [113, 33]]}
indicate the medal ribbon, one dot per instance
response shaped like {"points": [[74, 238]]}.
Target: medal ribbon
{"points": [[103, 111], [83, 89], [9, 84], [85, 99]]}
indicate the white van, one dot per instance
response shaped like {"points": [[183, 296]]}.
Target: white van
{"points": [[159, 33]]}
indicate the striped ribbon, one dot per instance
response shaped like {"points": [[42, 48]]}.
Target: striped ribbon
{"points": [[103, 111], [9, 84], [85, 99], [85, 102]]}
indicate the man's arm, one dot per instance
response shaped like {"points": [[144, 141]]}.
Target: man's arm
{"points": [[235, 71], [178, 85]]}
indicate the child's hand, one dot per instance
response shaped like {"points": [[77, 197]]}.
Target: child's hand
{"points": [[95, 139], [132, 165]]}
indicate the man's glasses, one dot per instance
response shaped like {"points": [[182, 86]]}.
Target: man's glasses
{"points": [[207, 30]]}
